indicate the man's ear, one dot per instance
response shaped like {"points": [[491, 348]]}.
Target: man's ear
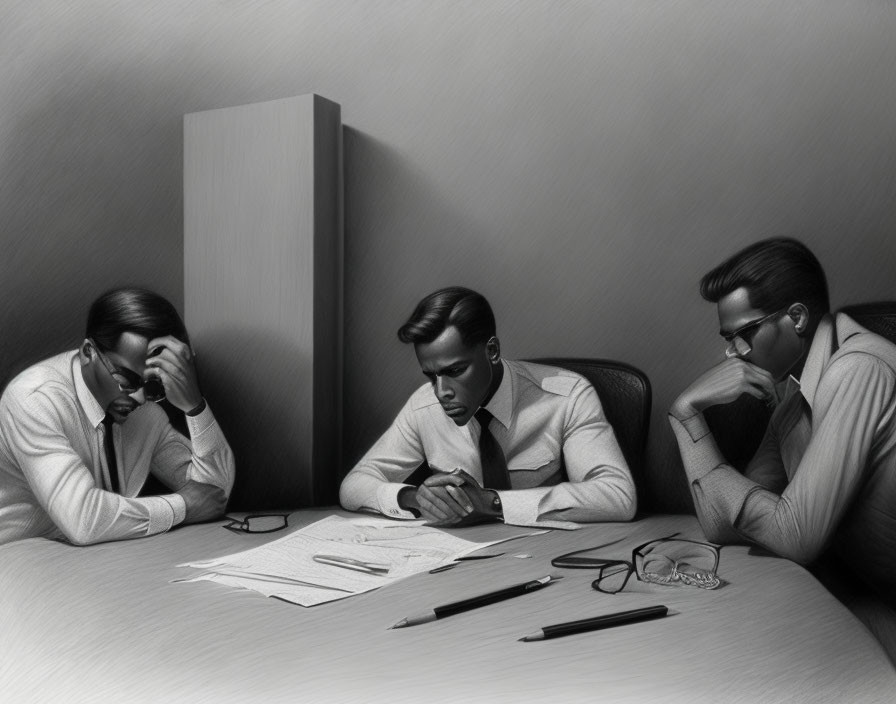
{"points": [[86, 352], [799, 314], [493, 350]]}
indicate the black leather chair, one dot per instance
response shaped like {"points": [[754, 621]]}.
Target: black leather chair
{"points": [[625, 395], [879, 318], [738, 427]]}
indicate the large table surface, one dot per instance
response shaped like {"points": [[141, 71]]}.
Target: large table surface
{"points": [[106, 624]]}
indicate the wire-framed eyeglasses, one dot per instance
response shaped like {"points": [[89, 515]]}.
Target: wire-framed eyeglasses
{"points": [[740, 342], [258, 523], [129, 381], [668, 561]]}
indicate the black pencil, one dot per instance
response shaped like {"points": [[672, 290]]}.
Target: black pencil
{"points": [[476, 601], [593, 624]]}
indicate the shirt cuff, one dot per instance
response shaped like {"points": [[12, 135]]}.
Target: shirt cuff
{"points": [[164, 512], [727, 490], [205, 433], [387, 501], [695, 425], [520, 507]]}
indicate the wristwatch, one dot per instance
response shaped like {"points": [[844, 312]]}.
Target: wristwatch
{"points": [[497, 506]]}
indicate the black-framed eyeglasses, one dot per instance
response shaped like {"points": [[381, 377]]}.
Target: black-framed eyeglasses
{"points": [[740, 342], [667, 561], [129, 381], [258, 523]]}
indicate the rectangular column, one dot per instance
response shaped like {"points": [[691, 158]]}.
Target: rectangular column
{"points": [[263, 290]]}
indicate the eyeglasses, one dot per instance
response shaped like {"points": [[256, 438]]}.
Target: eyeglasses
{"points": [[740, 342], [667, 561], [130, 382], [258, 523]]}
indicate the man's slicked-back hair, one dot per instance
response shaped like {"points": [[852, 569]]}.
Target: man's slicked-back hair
{"points": [[135, 310], [776, 273], [466, 310]]}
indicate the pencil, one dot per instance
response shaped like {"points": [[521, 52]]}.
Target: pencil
{"points": [[593, 624]]}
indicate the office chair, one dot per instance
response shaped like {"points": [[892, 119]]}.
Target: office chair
{"points": [[625, 396], [879, 318], [738, 427]]}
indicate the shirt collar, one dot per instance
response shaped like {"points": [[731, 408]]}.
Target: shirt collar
{"points": [[92, 409], [829, 336], [501, 403]]}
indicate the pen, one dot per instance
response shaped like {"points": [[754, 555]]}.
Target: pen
{"points": [[352, 564], [476, 601], [593, 624]]}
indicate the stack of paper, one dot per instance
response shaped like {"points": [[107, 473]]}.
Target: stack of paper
{"points": [[286, 568]]}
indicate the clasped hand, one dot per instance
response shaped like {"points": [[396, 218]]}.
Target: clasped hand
{"points": [[453, 499]]}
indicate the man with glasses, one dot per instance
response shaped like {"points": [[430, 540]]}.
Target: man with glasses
{"points": [[824, 475], [78, 438]]}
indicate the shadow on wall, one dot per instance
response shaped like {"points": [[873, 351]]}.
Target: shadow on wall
{"points": [[91, 199], [243, 375], [394, 255]]}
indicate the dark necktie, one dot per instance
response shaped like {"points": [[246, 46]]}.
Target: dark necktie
{"points": [[110, 454], [494, 465]]}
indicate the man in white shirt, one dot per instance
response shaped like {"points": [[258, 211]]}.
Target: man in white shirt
{"points": [[78, 438], [497, 434], [825, 473]]}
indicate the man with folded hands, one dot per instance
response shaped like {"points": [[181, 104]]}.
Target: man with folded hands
{"points": [[497, 435], [78, 438]]}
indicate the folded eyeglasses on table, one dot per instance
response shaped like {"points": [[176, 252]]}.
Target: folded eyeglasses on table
{"points": [[667, 561], [258, 523]]}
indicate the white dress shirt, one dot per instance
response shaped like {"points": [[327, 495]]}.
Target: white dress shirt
{"points": [[825, 472], [53, 466], [544, 418]]}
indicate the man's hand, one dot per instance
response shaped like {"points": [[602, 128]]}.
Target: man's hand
{"points": [[173, 365], [459, 489], [438, 505], [205, 502], [724, 383]]}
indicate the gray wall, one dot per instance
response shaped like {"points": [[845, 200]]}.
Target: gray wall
{"points": [[581, 163]]}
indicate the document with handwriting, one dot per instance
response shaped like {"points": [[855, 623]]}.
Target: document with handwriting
{"points": [[286, 569]]}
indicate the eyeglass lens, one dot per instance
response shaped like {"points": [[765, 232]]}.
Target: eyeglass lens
{"points": [[613, 577], [130, 383], [671, 561], [738, 347]]}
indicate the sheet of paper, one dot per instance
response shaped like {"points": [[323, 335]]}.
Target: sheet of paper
{"points": [[286, 568]]}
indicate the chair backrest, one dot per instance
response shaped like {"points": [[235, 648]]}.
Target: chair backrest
{"points": [[879, 318], [625, 395]]}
